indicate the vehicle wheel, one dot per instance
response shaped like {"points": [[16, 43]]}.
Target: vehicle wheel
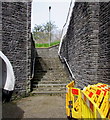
{"points": [[6, 95]]}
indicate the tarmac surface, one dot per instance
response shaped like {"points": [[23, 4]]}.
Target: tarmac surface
{"points": [[43, 106]]}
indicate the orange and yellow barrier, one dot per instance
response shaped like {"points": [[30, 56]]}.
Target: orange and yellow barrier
{"points": [[91, 102]]}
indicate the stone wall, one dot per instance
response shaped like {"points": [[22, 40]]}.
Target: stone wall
{"points": [[104, 43], [17, 42], [82, 45]]}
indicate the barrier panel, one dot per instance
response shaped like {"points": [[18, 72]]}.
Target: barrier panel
{"points": [[73, 99], [91, 102], [69, 104]]}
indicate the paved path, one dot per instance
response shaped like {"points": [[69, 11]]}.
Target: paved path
{"points": [[50, 76], [36, 107]]}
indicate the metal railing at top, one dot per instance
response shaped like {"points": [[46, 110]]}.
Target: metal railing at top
{"points": [[65, 27], [64, 30]]}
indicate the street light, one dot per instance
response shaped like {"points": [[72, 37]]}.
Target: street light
{"points": [[49, 25]]}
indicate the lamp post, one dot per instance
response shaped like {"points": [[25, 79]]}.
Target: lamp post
{"points": [[49, 25]]}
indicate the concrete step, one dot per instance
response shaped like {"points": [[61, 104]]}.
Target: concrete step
{"points": [[48, 92], [54, 82], [51, 73], [56, 74], [50, 85], [53, 78], [50, 76], [39, 74], [38, 70], [50, 82], [41, 79], [50, 67], [56, 71], [50, 88]]}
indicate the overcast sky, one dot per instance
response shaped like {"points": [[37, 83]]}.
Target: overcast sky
{"points": [[59, 11]]}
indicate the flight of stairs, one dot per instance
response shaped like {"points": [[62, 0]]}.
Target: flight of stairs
{"points": [[50, 75]]}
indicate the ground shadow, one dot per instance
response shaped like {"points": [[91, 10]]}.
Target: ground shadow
{"points": [[11, 111], [40, 70]]}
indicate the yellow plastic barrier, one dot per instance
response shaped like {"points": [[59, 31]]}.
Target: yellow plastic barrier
{"points": [[91, 102], [73, 103]]}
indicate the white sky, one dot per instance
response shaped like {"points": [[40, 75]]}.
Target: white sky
{"points": [[59, 11]]}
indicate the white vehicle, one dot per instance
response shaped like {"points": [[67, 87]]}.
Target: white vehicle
{"points": [[7, 77]]}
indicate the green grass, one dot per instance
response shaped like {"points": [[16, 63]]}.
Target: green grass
{"points": [[46, 45]]}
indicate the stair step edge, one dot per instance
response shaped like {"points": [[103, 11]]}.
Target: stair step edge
{"points": [[51, 84], [47, 92]]}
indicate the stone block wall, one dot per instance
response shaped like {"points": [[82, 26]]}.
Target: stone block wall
{"points": [[82, 44], [17, 42], [104, 43]]}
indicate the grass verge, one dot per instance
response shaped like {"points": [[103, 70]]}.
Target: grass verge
{"points": [[46, 45]]}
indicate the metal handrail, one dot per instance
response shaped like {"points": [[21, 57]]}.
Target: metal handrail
{"points": [[69, 68], [62, 37], [33, 68], [66, 23]]}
